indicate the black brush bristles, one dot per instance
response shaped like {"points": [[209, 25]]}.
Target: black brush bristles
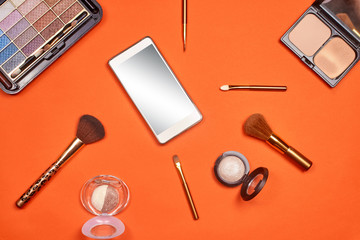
{"points": [[256, 126], [90, 129]]}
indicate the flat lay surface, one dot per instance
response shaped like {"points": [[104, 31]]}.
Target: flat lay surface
{"points": [[229, 42]]}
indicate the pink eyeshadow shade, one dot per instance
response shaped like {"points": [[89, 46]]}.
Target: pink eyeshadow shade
{"points": [[52, 29], [37, 12], [71, 12], [18, 28], [62, 6], [25, 37], [51, 2], [45, 20], [10, 20], [27, 6], [33, 45]]}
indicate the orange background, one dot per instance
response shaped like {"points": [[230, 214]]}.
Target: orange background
{"points": [[229, 42]]}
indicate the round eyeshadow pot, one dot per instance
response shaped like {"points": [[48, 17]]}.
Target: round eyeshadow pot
{"points": [[232, 169], [104, 196]]}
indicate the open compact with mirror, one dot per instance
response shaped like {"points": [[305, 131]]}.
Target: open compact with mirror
{"points": [[232, 169], [34, 33], [327, 38]]}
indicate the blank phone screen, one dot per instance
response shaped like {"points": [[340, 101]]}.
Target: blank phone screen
{"points": [[154, 89]]}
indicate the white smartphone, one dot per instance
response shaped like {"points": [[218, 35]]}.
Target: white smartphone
{"points": [[155, 90]]}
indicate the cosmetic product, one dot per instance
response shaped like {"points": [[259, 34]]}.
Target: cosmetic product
{"points": [[104, 196], [256, 126], [232, 169], [186, 188], [34, 33], [253, 87], [326, 38], [89, 130], [184, 15]]}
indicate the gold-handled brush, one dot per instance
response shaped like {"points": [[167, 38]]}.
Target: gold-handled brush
{"points": [[253, 87], [256, 126], [89, 130], [186, 188]]}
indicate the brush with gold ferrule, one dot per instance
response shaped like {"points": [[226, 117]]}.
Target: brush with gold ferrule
{"points": [[256, 126], [184, 18], [253, 87], [89, 130], [186, 188]]}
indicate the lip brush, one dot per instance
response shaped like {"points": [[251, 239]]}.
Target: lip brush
{"points": [[253, 87]]}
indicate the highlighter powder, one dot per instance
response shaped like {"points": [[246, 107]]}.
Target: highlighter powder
{"points": [[105, 198], [309, 34], [335, 57], [231, 169]]}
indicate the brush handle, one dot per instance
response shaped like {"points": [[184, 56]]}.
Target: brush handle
{"points": [[45, 177], [291, 152], [188, 194], [299, 158]]}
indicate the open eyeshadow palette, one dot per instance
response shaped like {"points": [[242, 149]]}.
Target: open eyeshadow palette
{"points": [[34, 33], [327, 38]]}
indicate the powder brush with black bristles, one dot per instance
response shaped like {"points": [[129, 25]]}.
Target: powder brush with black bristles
{"points": [[89, 130], [256, 126]]}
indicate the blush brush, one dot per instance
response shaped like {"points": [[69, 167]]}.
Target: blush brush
{"points": [[89, 130], [256, 126]]}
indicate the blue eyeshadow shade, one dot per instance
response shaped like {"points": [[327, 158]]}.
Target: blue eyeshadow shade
{"points": [[7, 53], [1, 32], [4, 40]]}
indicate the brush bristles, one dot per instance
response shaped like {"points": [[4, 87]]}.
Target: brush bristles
{"points": [[256, 126], [90, 129], [176, 159]]}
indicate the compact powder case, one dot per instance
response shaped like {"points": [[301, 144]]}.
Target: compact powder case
{"points": [[327, 38], [34, 33], [105, 196], [232, 169]]}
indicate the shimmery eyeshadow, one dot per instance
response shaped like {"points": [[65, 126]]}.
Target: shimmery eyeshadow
{"points": [[7, 53], [17, 2], [6, 9], [4, 40], [71, 12], [10, 20], [28, 5], [25, 37], [62, 6], [51, 2], [52, 29], [37, 12], [18, 28], [32, 46], [44, 21], [13, 62]]}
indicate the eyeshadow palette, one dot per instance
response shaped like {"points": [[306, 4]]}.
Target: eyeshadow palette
{"points": [[327, 39], [34, 33]]}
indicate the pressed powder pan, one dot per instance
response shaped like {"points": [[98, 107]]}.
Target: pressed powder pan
{"points": [[232, 169]]}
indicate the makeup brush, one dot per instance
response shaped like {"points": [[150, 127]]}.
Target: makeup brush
{"points": [[256, 126], [89, 130], [186, 188], [253, 87]]}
